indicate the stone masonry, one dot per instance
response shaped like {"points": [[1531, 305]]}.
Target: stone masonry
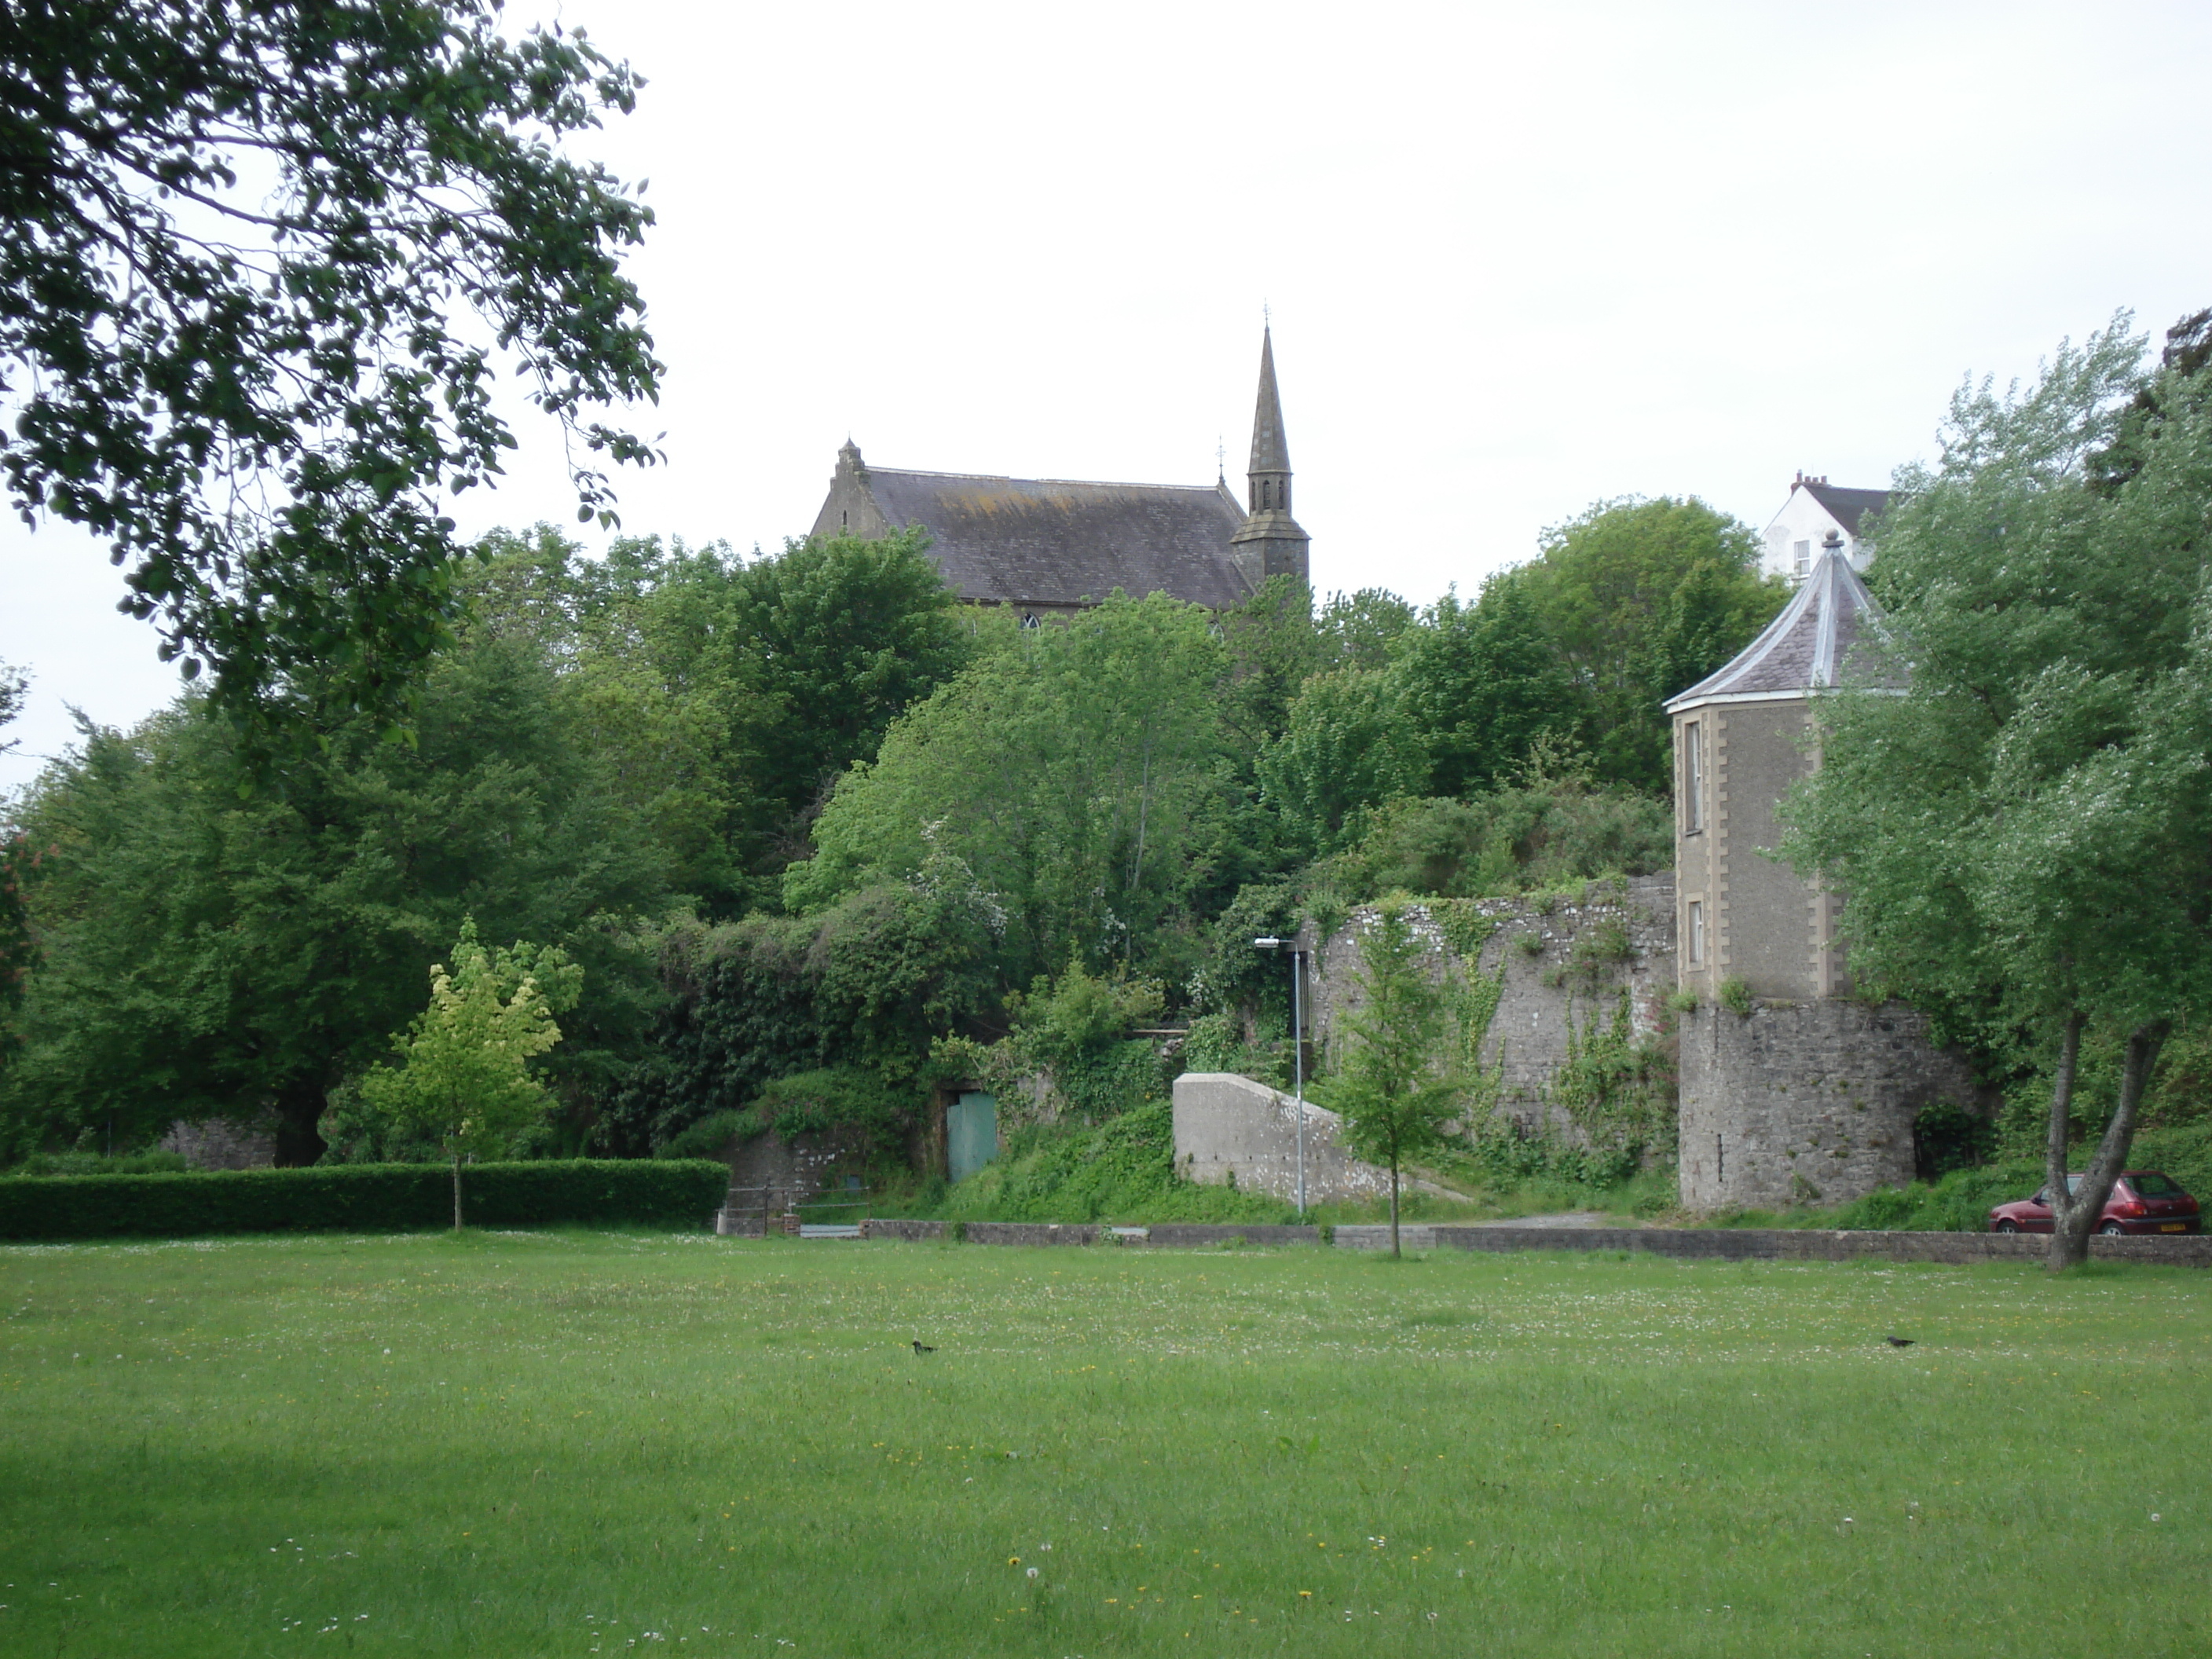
{"points": [[1803, 1103], [223, 1143], [1566, 960]]}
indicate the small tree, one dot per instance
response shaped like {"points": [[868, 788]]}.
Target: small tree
{"points": [[1398, 1088], [464, 1073]]}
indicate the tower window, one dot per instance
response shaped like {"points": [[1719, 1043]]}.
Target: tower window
{"points": [[1694, 929], [844, 519], [1693, 777]]}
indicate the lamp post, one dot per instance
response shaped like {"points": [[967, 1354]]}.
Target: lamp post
{"points": [[1297, 1047]]}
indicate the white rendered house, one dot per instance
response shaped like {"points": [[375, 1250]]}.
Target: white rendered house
{"points": [[1818, 516]]}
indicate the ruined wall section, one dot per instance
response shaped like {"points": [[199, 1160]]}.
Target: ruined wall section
{"points": [[1567, 958], [1804, 1103], [223, 1143]]}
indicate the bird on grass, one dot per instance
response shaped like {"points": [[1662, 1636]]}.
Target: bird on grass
{"points": [[1898, 1341], [920, 1346]]}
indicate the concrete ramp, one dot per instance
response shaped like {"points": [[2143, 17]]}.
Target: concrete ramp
{"points": [[1227, 1127]]}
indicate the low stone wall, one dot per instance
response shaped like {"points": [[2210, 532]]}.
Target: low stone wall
{"points": [[1800, 1103], [1185, 1234], [903, 1232], [1681, 1243], [1411, 1236], [1807, 1244], [1032, 1232], [1231, 1129]]}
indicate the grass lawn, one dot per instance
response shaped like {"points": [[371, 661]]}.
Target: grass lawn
{"points": [[565, 1443]]}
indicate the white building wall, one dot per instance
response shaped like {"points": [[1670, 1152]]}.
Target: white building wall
{"points": [[1794, 534]]}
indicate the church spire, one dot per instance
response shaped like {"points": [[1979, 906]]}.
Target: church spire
{"points": [[1269, 474], [1269, 542]]}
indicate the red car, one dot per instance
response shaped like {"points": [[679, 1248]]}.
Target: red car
{"points": [[2142, 1201]]}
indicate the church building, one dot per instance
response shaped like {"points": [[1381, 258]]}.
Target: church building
{"points": [[1051, 546]]}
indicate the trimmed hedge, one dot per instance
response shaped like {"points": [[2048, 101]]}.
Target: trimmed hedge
{"points": [[363, 1198]]}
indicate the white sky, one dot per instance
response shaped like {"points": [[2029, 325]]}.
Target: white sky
{"points": [[1519, 258]]}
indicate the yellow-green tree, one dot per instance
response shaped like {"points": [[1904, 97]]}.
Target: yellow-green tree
{"points": [[1399, 1087], [463, 1073]]}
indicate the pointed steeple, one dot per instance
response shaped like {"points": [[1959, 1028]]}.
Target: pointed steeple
{"points": [[1269, 543], [1270, 451]]}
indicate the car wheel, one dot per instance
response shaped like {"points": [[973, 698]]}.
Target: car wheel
{"points": [[2008, 1225], [2112, 1229]]}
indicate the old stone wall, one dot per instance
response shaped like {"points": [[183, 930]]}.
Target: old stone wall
{"points": [[1567, 961], [1678, 1244], [223, 1143], [1805, 1101], [768, 1174], [1228, 1128]]}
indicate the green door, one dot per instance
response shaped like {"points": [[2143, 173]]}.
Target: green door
{"points": [[971, 1133]]}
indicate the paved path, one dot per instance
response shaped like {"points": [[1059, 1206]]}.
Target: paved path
{"points": [[1569, 1219]]}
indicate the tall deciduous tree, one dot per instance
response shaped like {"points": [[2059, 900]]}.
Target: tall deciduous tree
{"points": [[1349, 746], [234, 238], [209, 947], [15, 859], [1643, 599], [1074, 769], [2023, 836], [1397, 1087], [1482, 683], [842, 634]]}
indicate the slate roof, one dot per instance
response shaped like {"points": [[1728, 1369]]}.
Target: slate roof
{"points": [[1808, 647], [1847, 505], [1059, 541]]}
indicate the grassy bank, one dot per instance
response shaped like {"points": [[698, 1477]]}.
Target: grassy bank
{"points": [[578, 1443], [1123, 1171]]}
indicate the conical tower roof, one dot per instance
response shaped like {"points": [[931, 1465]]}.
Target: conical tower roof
{"points": [[1270, 451], [1808, 648]]}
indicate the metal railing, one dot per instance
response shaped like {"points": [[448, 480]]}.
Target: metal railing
{"points": [[777, 1199]]}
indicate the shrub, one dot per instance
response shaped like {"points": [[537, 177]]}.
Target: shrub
{"points": [[706, 1138], [92, 1164], [1734, 996], [848, 1105], [364, 1198], [1959, 1203], [1947, 1138], [1509, 840]]}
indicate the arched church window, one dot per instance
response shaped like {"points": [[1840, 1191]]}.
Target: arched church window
{"points": [[1029, 619]]}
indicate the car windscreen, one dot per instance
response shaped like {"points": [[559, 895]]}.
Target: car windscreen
{"points": [[2151, 1184]]}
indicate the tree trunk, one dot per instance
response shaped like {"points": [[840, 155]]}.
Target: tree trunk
{"points": [[2074, 1216], [299, 1110], [456, 1192], [1394, 1206]]}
